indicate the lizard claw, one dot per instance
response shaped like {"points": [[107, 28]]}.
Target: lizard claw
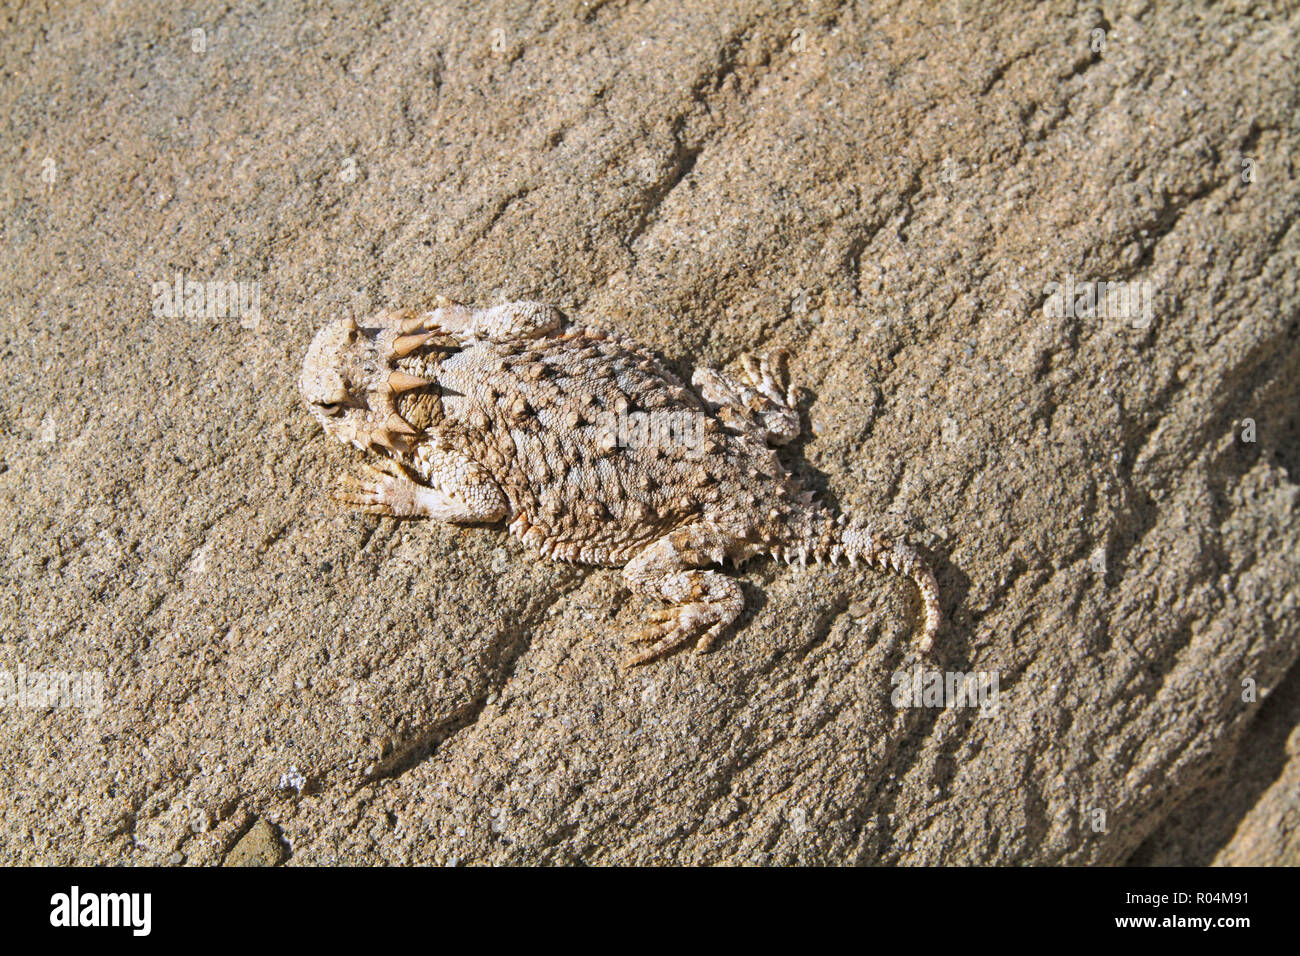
{"points": [[770, 376], [383, 490], [675, 627]]}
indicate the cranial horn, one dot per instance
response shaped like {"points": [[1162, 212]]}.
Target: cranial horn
{"points": [[399, 381], [406, 344], [385, 440], [396, 423]]}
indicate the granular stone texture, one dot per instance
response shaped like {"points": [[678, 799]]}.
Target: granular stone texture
{"points": [[917, 201]]}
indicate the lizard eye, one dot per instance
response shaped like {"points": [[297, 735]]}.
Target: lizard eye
{"points": [[330, 408]]}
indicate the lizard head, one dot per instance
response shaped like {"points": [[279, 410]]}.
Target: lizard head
{"points": [[350, 380]]}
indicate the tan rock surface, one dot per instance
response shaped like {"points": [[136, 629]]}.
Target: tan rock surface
{"points": [[887, 190]]}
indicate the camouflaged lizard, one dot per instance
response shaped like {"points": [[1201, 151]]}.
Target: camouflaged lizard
{"points": [[589, 449]]}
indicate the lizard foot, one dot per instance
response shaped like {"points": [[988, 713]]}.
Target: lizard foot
{"points": [[383, 490], [718, 603]]}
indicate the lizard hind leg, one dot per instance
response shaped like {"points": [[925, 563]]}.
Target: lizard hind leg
{"points": [[760, 400], [701, 603]]}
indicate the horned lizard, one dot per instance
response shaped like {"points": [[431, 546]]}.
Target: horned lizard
{"points": [[590, 449]]}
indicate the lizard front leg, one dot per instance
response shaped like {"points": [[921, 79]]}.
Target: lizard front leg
{"points": [[501, 323], [458, 490]]}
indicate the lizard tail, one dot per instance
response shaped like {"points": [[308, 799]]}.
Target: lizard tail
{"points": [[835, 541]]}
